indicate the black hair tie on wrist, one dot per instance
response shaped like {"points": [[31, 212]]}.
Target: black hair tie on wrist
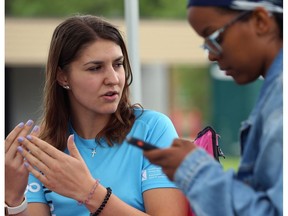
{"points": [[99, 210]]}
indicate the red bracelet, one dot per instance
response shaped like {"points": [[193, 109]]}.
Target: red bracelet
{"points": [[90, 193]]}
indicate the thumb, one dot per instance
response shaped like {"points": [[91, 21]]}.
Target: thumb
{"points": [[73, 151]]}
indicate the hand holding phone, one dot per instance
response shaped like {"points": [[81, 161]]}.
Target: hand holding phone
{"points": [[141, 144]]}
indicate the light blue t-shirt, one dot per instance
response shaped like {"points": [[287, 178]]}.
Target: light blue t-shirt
{"points": [[121, 167]]}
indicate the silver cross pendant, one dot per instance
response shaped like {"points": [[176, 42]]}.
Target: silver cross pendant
{"points": [[93, 152]]}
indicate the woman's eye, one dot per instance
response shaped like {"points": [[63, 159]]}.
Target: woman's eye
{"points": [[119, 64], [96, 68], [219, 39]]}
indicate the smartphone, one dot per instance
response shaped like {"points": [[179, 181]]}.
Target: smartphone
{"points": [[141, 144]]}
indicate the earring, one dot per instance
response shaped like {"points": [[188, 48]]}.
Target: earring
{"points": [[66, 87]]}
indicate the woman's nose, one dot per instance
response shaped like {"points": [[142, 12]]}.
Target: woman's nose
{"points": [[111, 77], [212, 56]]}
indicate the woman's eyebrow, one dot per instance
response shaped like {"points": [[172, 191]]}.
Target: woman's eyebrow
{"points": [[101, 62], [93, 62], [119, 58]]}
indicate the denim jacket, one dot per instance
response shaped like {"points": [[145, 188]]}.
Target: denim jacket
{"points": [[257, 187]]}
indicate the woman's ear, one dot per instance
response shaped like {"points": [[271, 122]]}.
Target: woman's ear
{"points": [[62, 77], [263, 21]]}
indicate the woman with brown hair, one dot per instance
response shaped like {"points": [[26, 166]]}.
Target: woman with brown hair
{"points": [[86, 100]]}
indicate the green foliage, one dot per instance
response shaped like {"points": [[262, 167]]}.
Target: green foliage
{"points": [[106, 8], [163, 9], [192, 89], [56, 8]]}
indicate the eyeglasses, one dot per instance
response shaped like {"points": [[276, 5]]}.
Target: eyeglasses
{"points": [[212, 42]]}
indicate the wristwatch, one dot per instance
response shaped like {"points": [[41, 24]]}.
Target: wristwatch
{"points": [[17, 209]]}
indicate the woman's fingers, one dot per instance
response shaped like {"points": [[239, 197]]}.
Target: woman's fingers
{"points": [[34, 155], [39, 153], [34, 165], [37, 173], [13, 160], [11, 140], [34, 143], [72, 148], [171, 158], [12, 135], [52, 167], [35, 131]]}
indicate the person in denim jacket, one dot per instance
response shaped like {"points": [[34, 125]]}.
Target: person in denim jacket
{"points": [[245, 38]]}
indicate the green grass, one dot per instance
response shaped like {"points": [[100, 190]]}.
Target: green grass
{"points": [[230, 162]]}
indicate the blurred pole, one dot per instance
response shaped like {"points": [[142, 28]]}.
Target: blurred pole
{"points": [[132, 26]]}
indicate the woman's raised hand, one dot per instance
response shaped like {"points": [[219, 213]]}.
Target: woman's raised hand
{"points": [[60, 172], [16, 175]]}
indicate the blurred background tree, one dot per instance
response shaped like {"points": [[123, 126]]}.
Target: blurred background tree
{"points": [[159, 9]]}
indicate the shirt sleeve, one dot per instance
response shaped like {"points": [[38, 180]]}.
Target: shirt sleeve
{"points": [[211, 191], [161, 133]]}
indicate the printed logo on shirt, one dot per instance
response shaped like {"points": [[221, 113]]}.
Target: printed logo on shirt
{"points": [[33, 187], [152, 173], [144, 175], [50, 202]]}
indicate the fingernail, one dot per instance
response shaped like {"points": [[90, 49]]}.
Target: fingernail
{"points": [[20, 139], [20, 149], [21, 125], [35, 129], [26, 164], [29, 122], [29, 137]]}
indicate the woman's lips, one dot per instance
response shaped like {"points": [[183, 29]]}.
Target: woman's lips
{"points": [[110, 96]]}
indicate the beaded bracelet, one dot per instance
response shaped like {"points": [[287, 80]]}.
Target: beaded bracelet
{"points": [[108, 194], [90, 193]]}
